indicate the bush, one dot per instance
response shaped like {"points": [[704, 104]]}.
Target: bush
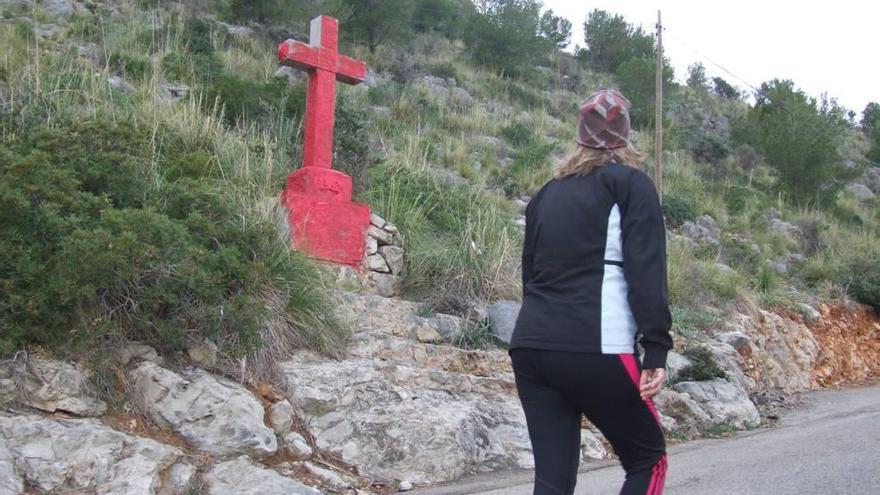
{"points": [[94, 245], [798, 135], [678, 210], [130, 66], [518, 133], [246, 99], [702, 368], [862, 277], [710, 148]]}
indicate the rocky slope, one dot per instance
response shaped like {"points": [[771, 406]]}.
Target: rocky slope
{"points": [[401, 407]]}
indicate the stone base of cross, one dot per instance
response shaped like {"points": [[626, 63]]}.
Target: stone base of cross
{"points": [[324, 221]]}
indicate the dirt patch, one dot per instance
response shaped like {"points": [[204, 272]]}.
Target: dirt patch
{"points": [[849, 342]]}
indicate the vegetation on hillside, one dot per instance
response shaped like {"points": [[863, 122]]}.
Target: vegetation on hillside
{"points": [[126, 213]]}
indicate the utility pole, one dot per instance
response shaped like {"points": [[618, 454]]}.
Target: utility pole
{"points": [[658, 114]]}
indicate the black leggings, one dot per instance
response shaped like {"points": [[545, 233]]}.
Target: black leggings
{"points": [[556, 388]]}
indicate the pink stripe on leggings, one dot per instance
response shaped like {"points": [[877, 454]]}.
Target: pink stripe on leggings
{"points": [[658, 474], [632, 368]]}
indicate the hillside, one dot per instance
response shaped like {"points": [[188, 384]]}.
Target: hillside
{"points": [[143, 149]]}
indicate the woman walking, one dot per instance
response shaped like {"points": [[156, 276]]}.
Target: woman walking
{"points": [[594, 284]]}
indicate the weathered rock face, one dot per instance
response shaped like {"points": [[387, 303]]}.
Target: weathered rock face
{"points": [[11, 482], [242, 477], [680, 413], [722, 401], [210, 413], [780, 353], [502, 318], [84, 456], [402, 422], [849, 338], [50, 386], [703, 231]]}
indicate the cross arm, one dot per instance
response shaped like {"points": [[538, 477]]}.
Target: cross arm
{"points": [[302, 56]]}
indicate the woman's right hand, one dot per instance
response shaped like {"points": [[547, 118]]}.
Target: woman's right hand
{"points": [[652, 381]]}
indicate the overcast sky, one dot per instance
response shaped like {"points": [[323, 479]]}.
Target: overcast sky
{"points": [[821, 46]]}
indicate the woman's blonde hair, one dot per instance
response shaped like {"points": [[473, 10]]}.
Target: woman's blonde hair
{"points": [[584, 160]]}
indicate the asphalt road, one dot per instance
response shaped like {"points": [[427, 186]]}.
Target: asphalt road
{"points": [[829, 446]]}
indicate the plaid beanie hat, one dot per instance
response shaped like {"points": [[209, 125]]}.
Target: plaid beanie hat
{"points": [[604, 120]]}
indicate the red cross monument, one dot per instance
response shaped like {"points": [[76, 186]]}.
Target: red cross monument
{"points": [[324, 222]]}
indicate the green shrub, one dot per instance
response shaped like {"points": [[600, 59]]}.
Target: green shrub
{"points": [[710, 148], [862, 277], [446, 70], [702, 368], [245, 99], [678, 209], [518, 133], [191, 68], [94, 245], [130, 66]]}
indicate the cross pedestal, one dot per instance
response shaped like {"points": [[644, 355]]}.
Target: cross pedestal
{"points": [[324, 222]]}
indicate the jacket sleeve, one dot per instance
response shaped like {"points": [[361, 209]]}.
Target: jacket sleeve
{"points": [[644, 265], [528, 249]]}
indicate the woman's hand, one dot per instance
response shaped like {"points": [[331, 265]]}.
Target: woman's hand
{"points": [[651, 382]]}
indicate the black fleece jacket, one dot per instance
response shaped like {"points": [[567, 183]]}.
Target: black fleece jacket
{"points": [[594, 267]]}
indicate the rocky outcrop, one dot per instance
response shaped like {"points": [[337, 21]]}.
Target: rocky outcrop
{"points": [[212, 414], [724, 402], [51, 386], [703, 231], [778, 353], [396, 421], [849, 339], [242, 477], [502, 318], [84, 456]]}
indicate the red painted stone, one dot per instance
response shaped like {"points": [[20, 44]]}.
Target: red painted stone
{"points": [[325, 223]]}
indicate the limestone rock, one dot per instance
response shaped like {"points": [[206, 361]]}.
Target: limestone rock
{"points": [[178, 480], [376, 263], [62, 8], [53, 386], [871, 179], [213, 414], [734, 338], [327, 477], [393, 256], [675, 362], [782, 353], [384, 238], [135, 351], [119, 84], [11, 482], [386, 284], [405, 486], [84, 456], [7, 390], [242, 477], [502, 317], [703, 231], [372, 245], [860, 191], [377, 220], [297, 446], [281, 417], [722, 401], [460, 98], [428, 334], [686, 415], [784, 228], [172, 91], [203, 353], [592, 446], [397, 421]]}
